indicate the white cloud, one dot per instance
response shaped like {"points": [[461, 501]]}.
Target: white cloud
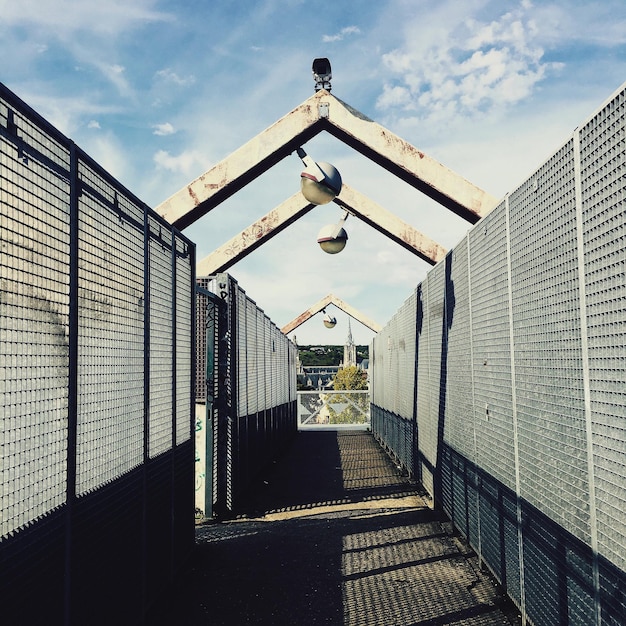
{"points": [[185, 163], [116, 75], [170, 76], [163, 129], [64, 17], [471, 69], [348, 30], [93, 124]]}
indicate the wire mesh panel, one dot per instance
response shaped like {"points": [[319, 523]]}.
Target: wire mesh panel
{"points": [[602, 150], [430, 378], [252, 355], [260, 362], [242, 355], [548, 349], [185, 301], [161, 339], [535, 476], [394, 369], [459, 406], [80, 497], [34, 319], [491, 337], [260, 347], [111, 335], [272, 364]]}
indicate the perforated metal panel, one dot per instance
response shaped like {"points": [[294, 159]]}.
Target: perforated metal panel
{"points": [[491, 337], [261, 362], [252, 356], [603, 181], [111, 335], [458, 399], [161, 340], [34, 318], [185, 302], [75, 383], [547, 336]]}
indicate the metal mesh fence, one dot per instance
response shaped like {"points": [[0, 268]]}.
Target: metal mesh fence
{"points": [[34, 301], [90, 278], [520, 427], [255, 414], [110, 335], [602, 171]]}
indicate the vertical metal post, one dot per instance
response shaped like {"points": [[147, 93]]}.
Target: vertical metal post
{"points": [[210, 330], [172, 238], [223, 447], [146, 404], [72, 400], [419, 317]]}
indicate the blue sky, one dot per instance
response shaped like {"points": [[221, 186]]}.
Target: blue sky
{"points": [[158, 91]]}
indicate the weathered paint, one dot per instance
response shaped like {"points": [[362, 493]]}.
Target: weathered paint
{"points": [[389, 224], [254, 236], [322, 304], [350, 126], [295, 207]]}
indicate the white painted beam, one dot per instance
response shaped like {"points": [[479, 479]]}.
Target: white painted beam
{"points": [[295, 207], [321, 305], [323, 111], [254, 236]]}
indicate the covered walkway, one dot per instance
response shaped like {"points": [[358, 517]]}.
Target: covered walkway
{"points": [[333, 534]]}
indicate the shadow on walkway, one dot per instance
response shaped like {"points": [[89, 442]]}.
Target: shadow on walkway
{"points": [[333, 534]]}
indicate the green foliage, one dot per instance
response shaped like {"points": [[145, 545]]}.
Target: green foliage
{"points": [[350, 378], [327, 355]]}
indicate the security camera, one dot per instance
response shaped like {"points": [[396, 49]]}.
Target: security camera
{"points": [[322, 74]]}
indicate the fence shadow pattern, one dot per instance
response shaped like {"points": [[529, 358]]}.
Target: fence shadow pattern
{"points": [[96, 327], [499, 382]]}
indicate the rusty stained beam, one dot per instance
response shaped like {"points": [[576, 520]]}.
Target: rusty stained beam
{"points": [[323, 111], [242, 166], [390, 225], [254, 236], [295, 207], [406, 162], [321, 305]]}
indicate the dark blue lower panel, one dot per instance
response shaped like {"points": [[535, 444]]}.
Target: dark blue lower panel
{"points": [[554, 585], [255, 441], [106, 558], [32, 571], [396, 435], [557, 576]]}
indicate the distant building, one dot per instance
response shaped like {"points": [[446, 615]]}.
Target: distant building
{"points": [[349, 349]]}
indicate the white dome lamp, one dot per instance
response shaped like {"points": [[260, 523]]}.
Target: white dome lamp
{"points": [[320, 182], [333, 237], [329, 320]]}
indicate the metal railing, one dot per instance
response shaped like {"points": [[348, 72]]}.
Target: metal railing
{"points": [[334, 409]]}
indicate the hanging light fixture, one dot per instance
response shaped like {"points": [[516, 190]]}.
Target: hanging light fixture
{"points": [[319, 182]]}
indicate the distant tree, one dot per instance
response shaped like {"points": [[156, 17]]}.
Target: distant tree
{"points": [[350, 377], [327, 355]]}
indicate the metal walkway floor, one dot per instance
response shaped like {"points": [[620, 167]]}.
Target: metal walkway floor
{"points": [[335, 535]]}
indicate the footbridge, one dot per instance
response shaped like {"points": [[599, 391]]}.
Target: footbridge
{"points": [[149, 404]]}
